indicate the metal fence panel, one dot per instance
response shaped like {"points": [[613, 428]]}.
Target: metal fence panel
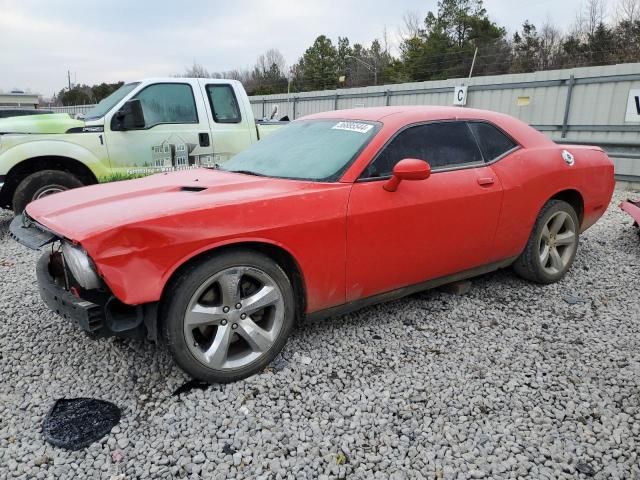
{"points": [[581, 105]]}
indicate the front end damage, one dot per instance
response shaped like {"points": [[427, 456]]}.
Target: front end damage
{"points": [[71, 287], [633, 209]]}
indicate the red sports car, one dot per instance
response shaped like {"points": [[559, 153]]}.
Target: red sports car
{"points": [[334, 212]]}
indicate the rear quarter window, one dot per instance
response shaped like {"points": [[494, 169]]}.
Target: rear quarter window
{"points": [[492, 141]]}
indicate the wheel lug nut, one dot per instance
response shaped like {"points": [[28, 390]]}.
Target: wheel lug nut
{"points": [[225, 309], [223, 322], [234, 326], [238, 306], [243, 316]]}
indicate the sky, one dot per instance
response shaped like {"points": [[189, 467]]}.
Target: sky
{"points": [[126, 40]]}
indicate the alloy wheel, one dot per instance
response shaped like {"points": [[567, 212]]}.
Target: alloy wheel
{"points": [[558, 243], [234, 318]]}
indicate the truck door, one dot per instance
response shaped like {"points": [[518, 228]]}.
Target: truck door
{"points": [[175, 136], [232, 129]]}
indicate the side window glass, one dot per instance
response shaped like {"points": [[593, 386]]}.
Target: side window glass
{"points": [[224, 104], [168, 103], [443, 145], [492, 141]]}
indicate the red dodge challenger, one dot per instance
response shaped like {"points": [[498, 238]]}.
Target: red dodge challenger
{"points": [[334, 212]]}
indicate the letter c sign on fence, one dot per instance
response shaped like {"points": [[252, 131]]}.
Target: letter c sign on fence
{"points": [[460, 95], [633, 106]]}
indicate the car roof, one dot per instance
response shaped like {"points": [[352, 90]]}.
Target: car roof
{"points": [[426, 112], [398, 116]]}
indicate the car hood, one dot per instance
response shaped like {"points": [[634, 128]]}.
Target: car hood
{"points": [[46, 123], [83, 212]]}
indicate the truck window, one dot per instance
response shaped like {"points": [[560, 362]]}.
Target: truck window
{"points": [[223, 102], [168, 103]]}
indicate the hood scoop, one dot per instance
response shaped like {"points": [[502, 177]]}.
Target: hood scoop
{"points": [[192, 189]]}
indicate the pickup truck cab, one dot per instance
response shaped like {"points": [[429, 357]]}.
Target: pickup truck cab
{"points": [[145, 127]]}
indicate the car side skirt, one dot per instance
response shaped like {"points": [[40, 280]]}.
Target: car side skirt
{"points": [[405, 291]]}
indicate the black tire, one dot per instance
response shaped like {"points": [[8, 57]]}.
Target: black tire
{"points": [[35, 186], [529, 264], [179, 294]]}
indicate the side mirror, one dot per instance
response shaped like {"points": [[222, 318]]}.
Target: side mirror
{"points": [[129, 117], [407, 169]]}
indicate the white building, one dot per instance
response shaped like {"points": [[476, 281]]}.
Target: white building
{"points": [[19, 99]]}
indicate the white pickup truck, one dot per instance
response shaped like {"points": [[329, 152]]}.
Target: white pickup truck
{"points": [[144, 127]]}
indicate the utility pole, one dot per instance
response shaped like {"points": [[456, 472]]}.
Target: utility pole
{"points": [[473, 63], [69, 78]]}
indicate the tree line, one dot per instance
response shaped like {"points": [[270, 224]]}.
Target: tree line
{"points": [[439, 45], [442, 44]]}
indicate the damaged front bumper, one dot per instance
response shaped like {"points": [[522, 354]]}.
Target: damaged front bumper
{"points": [[633, 209], [29, 233], [95, 310]]}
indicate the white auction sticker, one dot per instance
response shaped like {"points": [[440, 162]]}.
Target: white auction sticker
{"points": [[353, 127]]}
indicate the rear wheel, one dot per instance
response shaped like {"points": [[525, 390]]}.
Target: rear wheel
{"points": [[552, 246], [42, 184], [227, 317]]}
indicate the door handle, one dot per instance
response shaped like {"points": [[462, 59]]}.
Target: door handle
{"points": [[204, 139], [486, 181]]}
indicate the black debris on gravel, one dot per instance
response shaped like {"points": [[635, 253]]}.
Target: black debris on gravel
{"points": [[76, 423], [190, 385], [228, 450], [585, 469]]}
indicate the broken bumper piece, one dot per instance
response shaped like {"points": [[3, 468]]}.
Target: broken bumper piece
{"points": [[105, 316], [633, 209], [29, 233]]}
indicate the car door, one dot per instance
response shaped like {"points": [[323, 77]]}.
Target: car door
{"points": [[425, 229], [176, 134], [232, 129]]}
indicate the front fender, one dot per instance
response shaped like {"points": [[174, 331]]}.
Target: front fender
{"points": [[137, 275], [17, 148]]}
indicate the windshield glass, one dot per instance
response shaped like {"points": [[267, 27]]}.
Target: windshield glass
{"points": [[109, 102], [306, 150]]}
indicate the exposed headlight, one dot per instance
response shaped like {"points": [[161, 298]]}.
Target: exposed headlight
{"points": [[81, 267]]}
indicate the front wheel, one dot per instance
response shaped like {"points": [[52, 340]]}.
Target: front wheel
{"points": [[228, 316], [552, 245], [42, 184]]}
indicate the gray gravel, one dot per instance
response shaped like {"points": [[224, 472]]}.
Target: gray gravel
{"points": [[509, 380]]}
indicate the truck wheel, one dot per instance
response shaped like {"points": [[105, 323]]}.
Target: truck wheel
{"points": [[552, 246], [228, 316], [41, 184]]}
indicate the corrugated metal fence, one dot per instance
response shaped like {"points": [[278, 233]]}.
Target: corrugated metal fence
{"points": [[71, 110], [581, 105]]}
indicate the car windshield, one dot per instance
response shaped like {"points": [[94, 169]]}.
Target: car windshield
{"points": [[305, 150], [109, 102]]}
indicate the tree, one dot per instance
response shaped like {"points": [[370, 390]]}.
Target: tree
{"points": [[195, 71], [601, 45], [268, 75], [526, 47], [446, 44], [550, 46], [318, 68], [628, 11], [627, 40], [104, 90]]}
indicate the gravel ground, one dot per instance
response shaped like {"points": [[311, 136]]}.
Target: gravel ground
{"points": [[507, 381]]}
